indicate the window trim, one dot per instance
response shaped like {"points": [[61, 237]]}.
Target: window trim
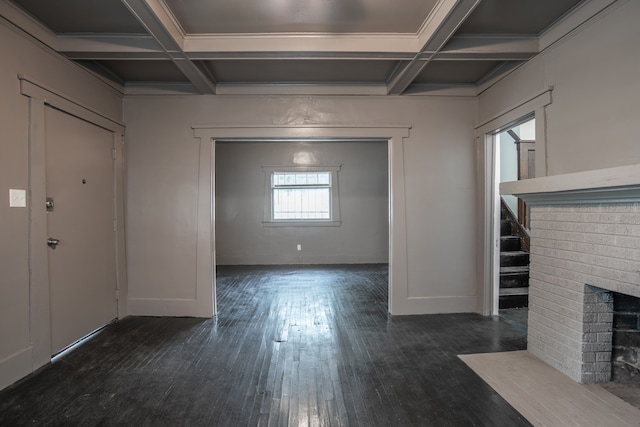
{"points": [[269, 221]]}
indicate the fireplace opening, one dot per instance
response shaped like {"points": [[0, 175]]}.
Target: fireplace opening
{"points": [[625, 349]]}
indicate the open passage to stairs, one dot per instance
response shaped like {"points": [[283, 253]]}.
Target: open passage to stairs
{"points": [[514, 261]]}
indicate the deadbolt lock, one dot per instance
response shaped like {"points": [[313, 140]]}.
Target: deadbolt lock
{"points": [[49, 204]]}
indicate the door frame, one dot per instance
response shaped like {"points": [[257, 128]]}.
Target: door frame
{"points": [[489, 188], [399, 300], [40, 96]]}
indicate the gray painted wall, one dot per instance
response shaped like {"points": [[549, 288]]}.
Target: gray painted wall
{"points": [[592, 122], [241, 237], [439, 180]]}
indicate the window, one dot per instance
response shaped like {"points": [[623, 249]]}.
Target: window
{"points": [[301, 196]]}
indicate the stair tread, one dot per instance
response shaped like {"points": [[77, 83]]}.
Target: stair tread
{"points": [[517, 269], [514, 253], [514, 291]]}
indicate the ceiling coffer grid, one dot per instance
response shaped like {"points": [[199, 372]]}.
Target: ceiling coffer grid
{"points": [[391, 47]]}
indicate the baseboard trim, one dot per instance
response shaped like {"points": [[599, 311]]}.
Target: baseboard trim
{"points": [[436, 305], [163, 307], [15, 367], [303, 260]]}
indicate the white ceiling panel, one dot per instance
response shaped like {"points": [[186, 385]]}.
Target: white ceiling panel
{"points": [[287, 16], [448, 72], [83, 16], [515, 16]]}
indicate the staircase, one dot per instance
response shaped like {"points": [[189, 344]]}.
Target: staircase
{"points": [[514, 261]]}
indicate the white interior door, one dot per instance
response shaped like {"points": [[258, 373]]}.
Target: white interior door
{"points": [[82, 267]]}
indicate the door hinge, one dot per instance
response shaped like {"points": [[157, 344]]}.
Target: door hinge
{"points": [[113, 153], [115, 225], [117, 294]]}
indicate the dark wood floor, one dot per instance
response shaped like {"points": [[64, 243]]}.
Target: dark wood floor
{"points": [[290, 347]]}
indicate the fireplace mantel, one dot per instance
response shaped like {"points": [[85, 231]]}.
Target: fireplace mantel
{"points": [[612, 185]]}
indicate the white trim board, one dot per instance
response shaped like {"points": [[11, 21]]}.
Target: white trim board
{"points": [[595, 186]]}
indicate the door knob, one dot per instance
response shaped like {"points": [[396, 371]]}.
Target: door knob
{"points": [[53, 242]]}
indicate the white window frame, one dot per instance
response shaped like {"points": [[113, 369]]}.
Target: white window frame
{"points": [[334, 220]]}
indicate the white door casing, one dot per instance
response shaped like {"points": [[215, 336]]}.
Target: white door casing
{"points": [[40, 98], [489, 192]]}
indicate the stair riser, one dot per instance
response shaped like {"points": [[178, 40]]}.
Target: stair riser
{"points": [[514, 301], [510, 244], [505, 228], [514, 281], [514, 262], [508, 260]]}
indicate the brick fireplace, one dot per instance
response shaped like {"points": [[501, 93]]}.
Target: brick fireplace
{"points": [[578, 254], [585, 245]]}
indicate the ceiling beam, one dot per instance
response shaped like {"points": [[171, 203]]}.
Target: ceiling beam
{"points": [[164, 29], [439, 27], [144, 47], [132, 46], [301, 55], [197, 74], [99, 46], [146, 88], [488, 47], [443, 21], [303, 42], [153, 18], [108, 46]]}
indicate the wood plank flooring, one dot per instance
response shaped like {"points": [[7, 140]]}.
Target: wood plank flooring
{"points": [[291, 346]]}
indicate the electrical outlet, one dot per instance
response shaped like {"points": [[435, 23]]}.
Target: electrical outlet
{"points": [[17, 198], [299, 247]]}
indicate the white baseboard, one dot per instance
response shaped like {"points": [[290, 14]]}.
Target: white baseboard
{"points": [[302, 260], [163, 307], [435, 305], [14, 367]]}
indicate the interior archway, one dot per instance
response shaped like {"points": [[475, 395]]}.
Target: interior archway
{"points": [[399, 302]]}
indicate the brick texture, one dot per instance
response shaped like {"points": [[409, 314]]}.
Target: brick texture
{"points": [[578, 254]]}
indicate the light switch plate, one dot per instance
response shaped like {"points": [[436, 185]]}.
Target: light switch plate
{"points": [[17, 198]]}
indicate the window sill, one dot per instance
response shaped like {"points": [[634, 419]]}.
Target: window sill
{"points": [[302, 223]]}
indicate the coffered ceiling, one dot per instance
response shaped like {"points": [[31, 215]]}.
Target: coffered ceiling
{"points": [[293, 46]]}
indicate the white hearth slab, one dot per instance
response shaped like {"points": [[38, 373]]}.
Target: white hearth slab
{"points": [[545, 396]]}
